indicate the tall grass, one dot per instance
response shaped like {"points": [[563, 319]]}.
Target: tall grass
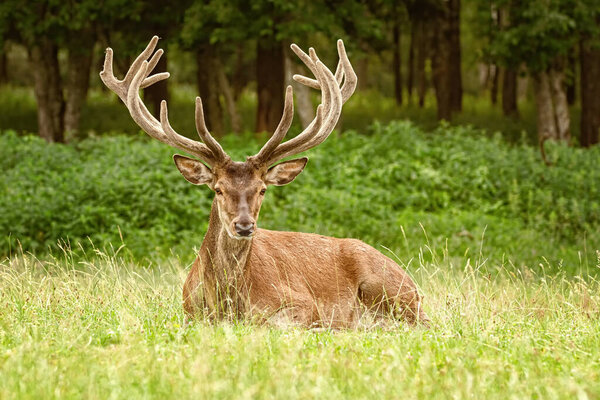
{"points": [[107, 328]]}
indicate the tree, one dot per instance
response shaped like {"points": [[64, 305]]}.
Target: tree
{"points": [[446, 58], [540, 35], [45, 27], [588, 16], [436, 31]]}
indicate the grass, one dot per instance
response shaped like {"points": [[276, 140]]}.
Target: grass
{"points": [[108, 328]]}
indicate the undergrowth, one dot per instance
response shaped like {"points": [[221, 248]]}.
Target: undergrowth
{"points": [[449, 188]]}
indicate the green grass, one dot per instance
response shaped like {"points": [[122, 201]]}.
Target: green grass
{"points": [[106, 328]]}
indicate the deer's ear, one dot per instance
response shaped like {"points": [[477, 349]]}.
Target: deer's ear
{"points": [[285, 172], [192, 170]]}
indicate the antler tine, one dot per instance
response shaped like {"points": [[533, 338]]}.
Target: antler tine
{"points": [[282, 128], [350, 78], [205, 135], [327, 116], [324, 129], [328, 111], [181, 142], [136, 78], [344, 71]]}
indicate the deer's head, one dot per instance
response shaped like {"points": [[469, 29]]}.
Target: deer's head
{"points": [[239, 186]]}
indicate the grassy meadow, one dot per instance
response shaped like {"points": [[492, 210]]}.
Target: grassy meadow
{"points": [[97, 237], [108, 328]]}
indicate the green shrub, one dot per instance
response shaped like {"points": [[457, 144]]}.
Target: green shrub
{"points": [[396, 187]]}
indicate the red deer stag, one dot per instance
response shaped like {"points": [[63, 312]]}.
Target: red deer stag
{"points": [[282, 277]]}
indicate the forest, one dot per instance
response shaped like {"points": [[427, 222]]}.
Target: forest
{"points": [[467, 154]]}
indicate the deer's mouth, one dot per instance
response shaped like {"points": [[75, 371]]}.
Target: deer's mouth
{"points": [[239, 237]]}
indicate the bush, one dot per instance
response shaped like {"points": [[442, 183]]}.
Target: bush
{"points": [[396, 187]]}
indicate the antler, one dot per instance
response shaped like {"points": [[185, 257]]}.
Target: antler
{"points": [[128, 90], [328, 112]]}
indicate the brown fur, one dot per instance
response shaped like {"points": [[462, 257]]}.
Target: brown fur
{"points": [[289, 277]]}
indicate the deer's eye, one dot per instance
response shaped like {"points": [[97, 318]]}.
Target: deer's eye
{"points": [[263, 191], [218, 191]]}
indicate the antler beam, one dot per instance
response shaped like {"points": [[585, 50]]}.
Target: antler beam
{"points": [[328, 112], [128, 90]]}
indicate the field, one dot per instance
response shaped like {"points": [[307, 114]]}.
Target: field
{"points": [[97, 237], [109, 329]]}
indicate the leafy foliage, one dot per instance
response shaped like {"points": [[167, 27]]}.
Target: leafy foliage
{"points": [[456, 183], [537, 32]]}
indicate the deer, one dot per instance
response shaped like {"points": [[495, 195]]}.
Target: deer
{"points": [[281, 278]]}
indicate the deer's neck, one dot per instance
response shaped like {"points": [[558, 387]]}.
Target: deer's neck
{"points": [[227, 256]]}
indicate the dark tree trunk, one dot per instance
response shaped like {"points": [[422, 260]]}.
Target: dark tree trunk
{"points": [[590, 93], [570, 78], [48, 91], [362, 70], [159, 91], [440, 63], [208, 88], [446, 60], [3, 65], [241, 77], [509, 93], [411, 60], [397, 63], [77, 84], [495, 74], [270, 77], [422, 50], [454, 69]]}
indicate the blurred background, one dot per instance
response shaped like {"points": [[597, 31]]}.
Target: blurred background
{"points": [[485, 85], [493, 64]]}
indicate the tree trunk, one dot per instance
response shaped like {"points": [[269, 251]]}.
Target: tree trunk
{"points": [[570, 78], [421, 57], [240, 74], [440, 69], [77, 84], [546, 123], [446, 60], [3, 64], [411, 60], [494, 73], [48, 91], [208, 88], [454, 69], [509, 93], [397, 63], [362, 70], [225, 88], [561, 106], [159, 91], [270, 76], [590, 93]]}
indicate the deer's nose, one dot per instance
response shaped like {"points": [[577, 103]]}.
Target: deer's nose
{"points": [[244, 228]]}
